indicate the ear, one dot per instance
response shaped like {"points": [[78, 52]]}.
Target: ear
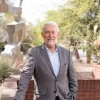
{"points": [[41, 34], [58, 34]]}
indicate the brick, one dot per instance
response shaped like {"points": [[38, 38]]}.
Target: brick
{"points": [[30, 92], [87, 98], [92, 87], [97, 86], [31, 88], [85, 82], [86, 86], [96, 98], [81, 95], [79, 91], [98, 94], [92, 82], [80, 87], [27, 96], [31, 96], [91, 95], [86, 91], [78, 98], [80, 82], [97, 91], [31, 83]]}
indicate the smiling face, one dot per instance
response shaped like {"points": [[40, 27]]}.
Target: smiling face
{"points": [[50, 35]]}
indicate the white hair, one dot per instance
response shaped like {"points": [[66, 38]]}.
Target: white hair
{"points": [[50, 23]]}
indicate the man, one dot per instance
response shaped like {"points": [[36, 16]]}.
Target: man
{"points": [[52, 68]]}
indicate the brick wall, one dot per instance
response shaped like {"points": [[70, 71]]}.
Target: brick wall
{"points": [[30, 92], [88, 89]]}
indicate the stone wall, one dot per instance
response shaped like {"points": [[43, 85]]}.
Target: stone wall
{"points": [[96, 71]]}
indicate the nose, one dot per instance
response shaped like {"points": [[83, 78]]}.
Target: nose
{"points": [[50, 35]]}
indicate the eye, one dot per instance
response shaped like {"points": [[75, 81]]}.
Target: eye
{"points": [[53, 32], [47, 32]]}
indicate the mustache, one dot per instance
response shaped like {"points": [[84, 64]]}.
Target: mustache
{"points": [[50, 39]]}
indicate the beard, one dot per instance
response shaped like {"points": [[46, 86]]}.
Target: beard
{"points": [[50, 43]]}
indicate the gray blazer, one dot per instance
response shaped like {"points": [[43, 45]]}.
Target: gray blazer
{"points": [[38, 64]]}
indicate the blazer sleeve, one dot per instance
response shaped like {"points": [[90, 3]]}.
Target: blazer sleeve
{"points": [[26, 76], [73, 84]]}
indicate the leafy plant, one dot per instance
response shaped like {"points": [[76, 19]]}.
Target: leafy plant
{"points": [[6, 68]]}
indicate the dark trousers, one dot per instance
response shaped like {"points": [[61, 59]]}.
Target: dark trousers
{"points": [[57, 98]]}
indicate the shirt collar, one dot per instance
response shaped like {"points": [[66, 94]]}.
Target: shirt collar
{"points": [[49, 50]]}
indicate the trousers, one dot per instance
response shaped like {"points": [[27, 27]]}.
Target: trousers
{"points": [[57, 98]]}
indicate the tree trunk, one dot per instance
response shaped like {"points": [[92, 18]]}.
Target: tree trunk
{"points": [[88, 56], [76, 53]]}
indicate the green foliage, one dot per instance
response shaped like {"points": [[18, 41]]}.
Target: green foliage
{"points": [[33, 36], [26, 45], [2, 25], [6, 68], [2, 44], [36, 35], [52, 16], [98, 54], [8, 18], [77, 21]]}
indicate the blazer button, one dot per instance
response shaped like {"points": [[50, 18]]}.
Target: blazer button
{"points": [[54, 91]]}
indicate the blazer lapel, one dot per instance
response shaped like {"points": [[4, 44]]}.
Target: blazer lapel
{"points": [[46, 57], [61, 57]]}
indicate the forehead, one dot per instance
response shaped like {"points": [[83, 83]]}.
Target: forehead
{"points": [[50, 27]]}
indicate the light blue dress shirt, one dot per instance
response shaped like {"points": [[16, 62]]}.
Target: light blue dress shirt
{"points": [[54, 59]]}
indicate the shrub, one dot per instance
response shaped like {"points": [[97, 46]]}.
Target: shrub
{"points": [[26, 45], [6, 68]]}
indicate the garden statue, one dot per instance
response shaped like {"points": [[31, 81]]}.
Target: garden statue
{"points": [[15, 31]]}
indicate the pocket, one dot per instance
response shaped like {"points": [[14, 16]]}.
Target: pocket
{"points": [[65, 65]]}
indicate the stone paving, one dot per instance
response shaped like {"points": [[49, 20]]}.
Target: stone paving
{"points": [[9, 88]]}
